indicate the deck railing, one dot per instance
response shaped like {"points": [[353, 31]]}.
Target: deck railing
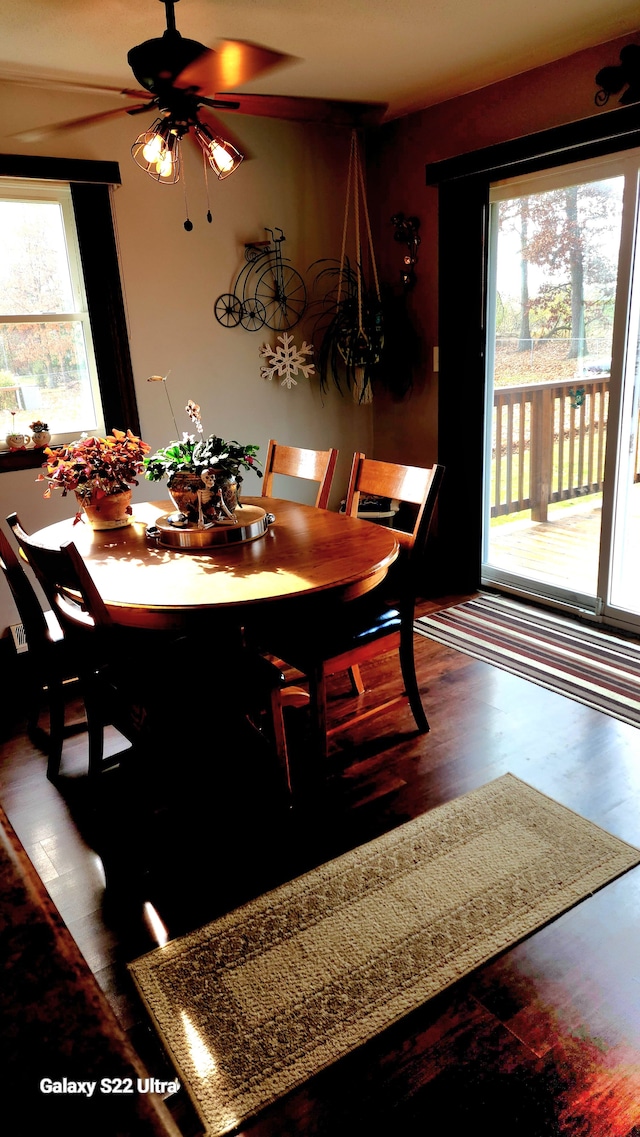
{"points": [[548, 444]]}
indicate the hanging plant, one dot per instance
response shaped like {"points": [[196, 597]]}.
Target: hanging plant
{"points": [[359, 329], [384, 357], [349, 331]]}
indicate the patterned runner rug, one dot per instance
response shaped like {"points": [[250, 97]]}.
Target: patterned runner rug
{"points": [[255, 1003], [573, 659]]}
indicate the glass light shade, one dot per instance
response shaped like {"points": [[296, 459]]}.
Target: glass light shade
{"points": [[221, 155], [157, 152]]}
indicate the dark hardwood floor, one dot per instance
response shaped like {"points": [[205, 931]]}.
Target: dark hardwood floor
{"points": [[544, 1040]]}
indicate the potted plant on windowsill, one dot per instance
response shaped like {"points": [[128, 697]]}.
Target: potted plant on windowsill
{"points": [[40, 435], [204, 474], [100, 471]]}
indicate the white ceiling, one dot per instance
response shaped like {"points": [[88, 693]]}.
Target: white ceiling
{"points": [[409, 53]]}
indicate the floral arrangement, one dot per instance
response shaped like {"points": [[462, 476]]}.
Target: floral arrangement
{"points": [[193, 454], [37, 427], [95, 467]]}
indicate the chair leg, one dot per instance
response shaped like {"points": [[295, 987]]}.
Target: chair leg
{"points": [[95, 725], [56, 729], [280, 737], [318, 714], [33, 713], [408, 666], [357, 686]]}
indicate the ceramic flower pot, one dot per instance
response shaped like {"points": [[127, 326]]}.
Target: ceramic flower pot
{"points": [[111, 511], [204, 499], [17, 441], [40, 438]]}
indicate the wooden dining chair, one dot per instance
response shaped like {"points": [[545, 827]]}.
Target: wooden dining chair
{"points": [[50, 668], [369, 626], [313, 465], [89, 636], [117, 690]]}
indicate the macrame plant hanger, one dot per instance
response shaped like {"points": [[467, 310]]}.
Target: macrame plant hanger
{"points": [[361, 346]]}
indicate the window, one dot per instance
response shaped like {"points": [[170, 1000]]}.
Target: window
{"points": [[79, 269], [47, 362]]}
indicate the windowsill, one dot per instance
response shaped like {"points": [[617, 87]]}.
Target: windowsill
{"points": [[20, 459]]}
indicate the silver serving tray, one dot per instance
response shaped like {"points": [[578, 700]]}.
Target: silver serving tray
{"points": [[252, 522]]}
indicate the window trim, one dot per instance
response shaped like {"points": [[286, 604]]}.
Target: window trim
{"points": [[32, 192], [92, 186]]}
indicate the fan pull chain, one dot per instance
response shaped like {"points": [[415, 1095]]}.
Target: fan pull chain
{"points": [[188, 224], [205, 166]]}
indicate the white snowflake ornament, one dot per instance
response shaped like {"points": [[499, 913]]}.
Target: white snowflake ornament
{"points": [[286, 361]]}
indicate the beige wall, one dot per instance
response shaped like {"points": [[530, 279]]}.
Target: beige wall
{"points": [[561, 92], [295, 180]]}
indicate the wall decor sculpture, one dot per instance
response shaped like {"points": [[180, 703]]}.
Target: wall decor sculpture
{"points": [[268, 291], [611, 80]]}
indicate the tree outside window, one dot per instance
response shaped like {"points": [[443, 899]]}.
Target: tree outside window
{"points": [[47, 365]]}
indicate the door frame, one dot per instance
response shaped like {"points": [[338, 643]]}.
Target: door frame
{"points": [[463, 193], [624, 164]]}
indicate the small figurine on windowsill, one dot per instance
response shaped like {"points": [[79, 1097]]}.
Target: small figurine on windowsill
{"points": [[40, 434], [15, 440]]}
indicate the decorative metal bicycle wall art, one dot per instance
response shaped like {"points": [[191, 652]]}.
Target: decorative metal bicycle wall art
{"points": [[268, 291]]}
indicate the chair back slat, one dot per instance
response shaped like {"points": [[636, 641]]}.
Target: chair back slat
{"points": [[297, 462], [65, 581], [26, 600], [415, 485]]}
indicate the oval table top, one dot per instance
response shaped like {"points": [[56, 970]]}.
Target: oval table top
{"points": [[306, 552]]}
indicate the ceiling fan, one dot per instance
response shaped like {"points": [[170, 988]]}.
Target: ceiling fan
{"points": [[183, 80]]}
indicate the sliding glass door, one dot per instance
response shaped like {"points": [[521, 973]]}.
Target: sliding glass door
{"points": [[562, 478]]}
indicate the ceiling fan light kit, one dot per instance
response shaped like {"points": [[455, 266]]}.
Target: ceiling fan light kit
{"points": [[157, 152], [220, 154], [182, 80], [158, 65]]}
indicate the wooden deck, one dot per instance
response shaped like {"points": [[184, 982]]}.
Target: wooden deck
{"points": [[564, 550]]}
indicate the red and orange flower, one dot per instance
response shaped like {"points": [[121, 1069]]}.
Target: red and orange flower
{"points": [[94, 467]]}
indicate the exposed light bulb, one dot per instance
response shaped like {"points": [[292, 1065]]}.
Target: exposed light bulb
{"points": [[164, 164], [221, 157], [157, 151], [220, 154], [153, 149]]}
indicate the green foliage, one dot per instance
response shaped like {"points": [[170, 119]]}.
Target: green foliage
{"points": [[362, 341], [212, 453], [570, 233]]}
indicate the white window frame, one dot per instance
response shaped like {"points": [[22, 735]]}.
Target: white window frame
{"points": [[625, 164], [30, 190]]}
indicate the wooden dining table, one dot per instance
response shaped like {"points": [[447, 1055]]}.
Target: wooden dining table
{"points": [[306, 556]]}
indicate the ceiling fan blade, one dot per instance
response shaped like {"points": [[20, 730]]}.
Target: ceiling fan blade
{"points": [[223, 104], [71, 85], [233, 63], [38, 132], [336, 112]]}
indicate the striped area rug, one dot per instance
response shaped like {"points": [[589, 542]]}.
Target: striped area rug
{"points": [[593, 667]]}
